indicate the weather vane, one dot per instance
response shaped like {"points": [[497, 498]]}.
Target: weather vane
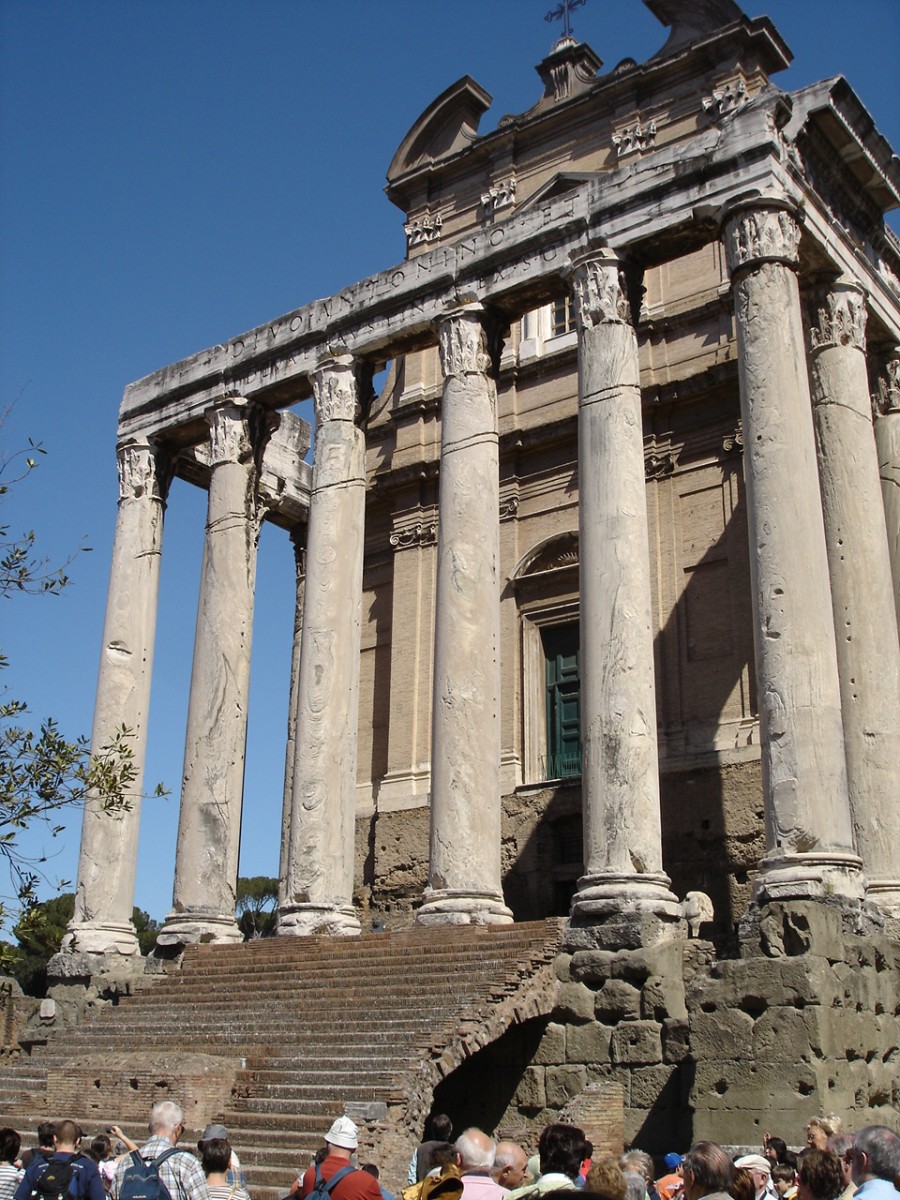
{"points": [[563, 12]]}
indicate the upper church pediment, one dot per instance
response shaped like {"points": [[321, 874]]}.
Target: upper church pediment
{"points": [[448, 124]]}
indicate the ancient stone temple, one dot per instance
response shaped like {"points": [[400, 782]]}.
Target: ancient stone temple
{"points": [[596, 596]]}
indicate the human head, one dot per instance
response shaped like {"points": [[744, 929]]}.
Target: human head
{"points": [[782, 1177], [10, 1143], [561, 1148], [67, 1135], [819, 1176], [510, 1165], [742, 1185], [167, 1120], [215, 1155], [476, 1150], [605, 1178], [876, 1154], [637, 1162], [842, 1145], [439, 1128], [342, 1137], [776, 1150], [672, 1161], [210, 1132], [820, 1129], [46, 1134], [760, 1169], [635, 1186], [707, 1168]]}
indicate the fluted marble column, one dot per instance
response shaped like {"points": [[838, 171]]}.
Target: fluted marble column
{"points": [[464, 870], [865, 621], [886, 404], [620, 767], [809, 834], [209, 826], [298, 541], [318, 895], [104, 895]]}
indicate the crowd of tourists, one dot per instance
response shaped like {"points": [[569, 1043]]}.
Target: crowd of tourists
{"points": [[833, 1165]]}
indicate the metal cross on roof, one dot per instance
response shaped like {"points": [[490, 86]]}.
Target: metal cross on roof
{"points": [[563, 12]]}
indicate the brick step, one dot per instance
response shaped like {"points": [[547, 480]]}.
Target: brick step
{"points": [[288, 999], [288, 1105], [324, 1079], [296, 1085]]}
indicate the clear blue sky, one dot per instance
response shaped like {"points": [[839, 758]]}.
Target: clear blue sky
{"points": [[177, 171]]}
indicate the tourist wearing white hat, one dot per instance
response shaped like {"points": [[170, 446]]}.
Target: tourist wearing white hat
{"points": [[760, 1170], [335, 1175]]}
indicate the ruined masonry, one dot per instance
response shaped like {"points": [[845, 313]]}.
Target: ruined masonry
{"points": [[596, 611]]}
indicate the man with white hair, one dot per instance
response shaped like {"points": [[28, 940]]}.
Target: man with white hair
{"points": [[760, 1171], [875, 1159], [476, 1152], [178, 1169], [510, 1165]]}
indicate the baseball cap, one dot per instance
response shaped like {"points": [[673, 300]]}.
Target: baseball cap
{"points": [[671, 1161], [754, 1162], [343, 1133], [214, 1131]]}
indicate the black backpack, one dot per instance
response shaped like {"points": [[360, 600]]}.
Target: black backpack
{"points": [[321, 1190], [141, 1180], [54, 1183]]}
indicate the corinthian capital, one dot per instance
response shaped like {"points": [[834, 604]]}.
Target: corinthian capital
{"points": [[763, 234], [837, 316], [887, 389], [336, 390], [140, 472], [229, 434], [463, 343], [600, 291]]}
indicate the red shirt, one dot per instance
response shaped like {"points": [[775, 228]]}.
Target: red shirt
{"points": [[358, 1185]]}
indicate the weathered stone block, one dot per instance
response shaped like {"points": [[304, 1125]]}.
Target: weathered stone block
{"points": [[801, 927], [562, 966], [617, 1001], [725, 1031], [647, 1084], [562, 1083], [531, 1094], [757, 983], [591, 966], [676, 1040], [552, 1048], [784, 1034], [637, 1042], [730, 1084], [575, 1003], [588, 1043], [637, 966], [662, 997]]}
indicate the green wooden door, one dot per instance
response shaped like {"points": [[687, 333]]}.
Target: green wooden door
{"points": [[563, 690]]}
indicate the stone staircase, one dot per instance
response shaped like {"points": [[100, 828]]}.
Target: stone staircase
{"points": [[278, 1037]]}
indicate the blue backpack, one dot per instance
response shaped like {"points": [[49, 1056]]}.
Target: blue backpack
{"points": [[141, 1180]]}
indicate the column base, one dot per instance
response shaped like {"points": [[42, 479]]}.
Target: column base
{"points": [[885, 895], [450, 907], [305, 920], [817, 876], [185, 928], [101, 937], [623, 911]]}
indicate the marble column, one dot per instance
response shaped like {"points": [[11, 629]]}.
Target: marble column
{"points": [[320, 865], [104, 895], [298, 541], [886, 404], [809, 833], [865, 620], [464, 869], [209, 826], [620, 766]]}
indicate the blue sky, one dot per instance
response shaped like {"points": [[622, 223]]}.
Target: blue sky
{"points": [[177, 171]]}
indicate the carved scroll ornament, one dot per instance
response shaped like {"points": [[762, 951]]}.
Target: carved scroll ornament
{"points": [[139, 472], [838, 317], [760, 234], [229, 434], [598, 285], [887, 395], [335, 391], [463, 345]]}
